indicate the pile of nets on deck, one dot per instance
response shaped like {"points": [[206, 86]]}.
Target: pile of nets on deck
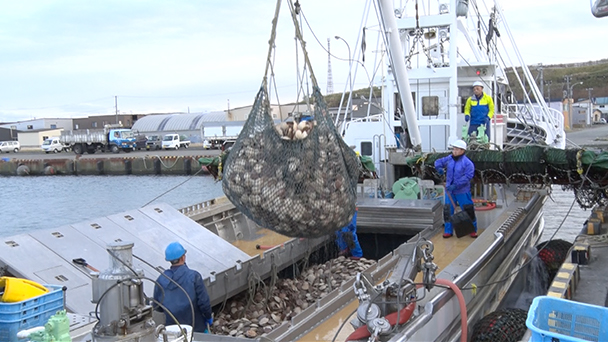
{"points": [[584, 171]]}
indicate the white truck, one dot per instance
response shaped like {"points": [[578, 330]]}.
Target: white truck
{"points": [[215, 136], [111, 138], [54, 145], [175, 141]]}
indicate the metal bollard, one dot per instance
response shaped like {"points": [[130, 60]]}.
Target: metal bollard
{"points": [[128, 167], [100, 167]]}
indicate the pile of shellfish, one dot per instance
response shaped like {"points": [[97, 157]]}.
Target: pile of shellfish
{"points": [[251, 315], [294, 130], [299, 188]]}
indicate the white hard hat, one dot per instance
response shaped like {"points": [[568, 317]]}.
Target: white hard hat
{"points": [[477, 83], [460, 144]]}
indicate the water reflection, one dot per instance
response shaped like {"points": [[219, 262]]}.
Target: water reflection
{"points": [[30, 203]]}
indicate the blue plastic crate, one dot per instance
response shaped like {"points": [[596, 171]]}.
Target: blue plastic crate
{"points": [[29, 313], [555, 319]]}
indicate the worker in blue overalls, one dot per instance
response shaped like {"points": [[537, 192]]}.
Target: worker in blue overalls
{"points": [[347, 240], [460, 171]]}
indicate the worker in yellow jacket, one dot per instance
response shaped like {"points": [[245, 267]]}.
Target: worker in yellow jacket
{"points": [[479, 109]]}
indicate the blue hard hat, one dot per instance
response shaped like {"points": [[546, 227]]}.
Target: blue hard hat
{"points": [[174, 251]]}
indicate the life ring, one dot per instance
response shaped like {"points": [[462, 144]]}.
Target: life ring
{"points": [[483, 205]]}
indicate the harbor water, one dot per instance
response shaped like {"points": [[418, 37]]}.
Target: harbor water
{"points": [[31, 203]]}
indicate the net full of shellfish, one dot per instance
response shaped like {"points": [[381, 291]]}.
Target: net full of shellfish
{"points": [[298, 179]]}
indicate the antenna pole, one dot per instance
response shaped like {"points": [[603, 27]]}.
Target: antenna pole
{"points": [[330, 80], [116, 106]]}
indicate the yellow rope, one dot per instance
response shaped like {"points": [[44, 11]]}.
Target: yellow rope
{"points": [[579, 162], [422, 158], [219, 169]]}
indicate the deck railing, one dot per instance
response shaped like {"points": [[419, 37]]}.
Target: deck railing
{"points": [[197, 207]]}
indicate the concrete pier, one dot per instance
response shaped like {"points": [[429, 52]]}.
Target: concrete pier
{"points": [[145, 165]]}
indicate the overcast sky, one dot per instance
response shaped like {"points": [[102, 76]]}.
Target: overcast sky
{"points": [[71, 58]]}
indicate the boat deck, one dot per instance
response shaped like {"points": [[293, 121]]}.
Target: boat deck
{"points": [[445, 252], [151, 227], [224, 264]]}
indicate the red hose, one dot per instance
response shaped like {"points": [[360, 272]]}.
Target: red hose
{"points": [[488, 206], [463, 307], [404, 316]]}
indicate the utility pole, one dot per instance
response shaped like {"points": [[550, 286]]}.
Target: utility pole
{"points": [[116, 106], [330, 80], [540, 70], [590, 107], [568, 96], [549, 92]]}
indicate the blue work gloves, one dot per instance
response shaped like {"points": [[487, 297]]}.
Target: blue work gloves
{"points": [[208, 325], [440, 172], [467, 118], [487, 120], [451, 188]]}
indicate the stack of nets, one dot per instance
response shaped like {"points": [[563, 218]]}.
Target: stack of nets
{"points": [[561, 163], [506, 325], [488, 165], [585, 172], [297, 184], [553, 253], [525, 162]]}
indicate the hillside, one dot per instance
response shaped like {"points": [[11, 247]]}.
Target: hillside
{"points": [[333, 100], [593, 75]]}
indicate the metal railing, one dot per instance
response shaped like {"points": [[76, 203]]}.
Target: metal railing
{"points": [[551, 121], [197, 207]]}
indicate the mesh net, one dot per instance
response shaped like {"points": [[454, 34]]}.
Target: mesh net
{"points": [[553, 253], [527, 160], [561, 159], [305, 187], [584, 172], [489, 165], [508, 325]]}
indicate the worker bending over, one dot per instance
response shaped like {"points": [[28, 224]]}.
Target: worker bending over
{"points": [[460, 171]]}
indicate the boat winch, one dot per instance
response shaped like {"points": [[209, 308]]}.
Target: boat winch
{"points": [[393, 301], [119, 297]]}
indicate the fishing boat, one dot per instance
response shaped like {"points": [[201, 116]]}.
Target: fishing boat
{"points": [[383, 302], [439, 52]]}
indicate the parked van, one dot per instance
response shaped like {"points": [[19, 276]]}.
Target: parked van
{"points": [[154, 142], [175, 141], [10, 146], [53, 145]]}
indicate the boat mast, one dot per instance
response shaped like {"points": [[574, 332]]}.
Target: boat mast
{"points": [[397, 58]]}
